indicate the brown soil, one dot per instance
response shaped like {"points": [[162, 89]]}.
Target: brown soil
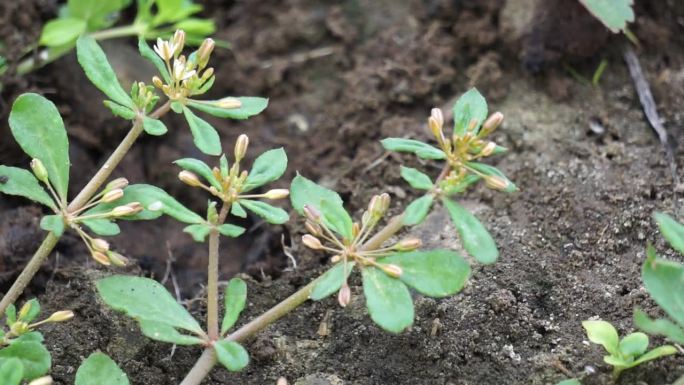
{"points": [[339, 78]]}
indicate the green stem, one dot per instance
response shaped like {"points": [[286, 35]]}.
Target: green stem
{"points": [[81, 199], [207, 360], [212, 276]]}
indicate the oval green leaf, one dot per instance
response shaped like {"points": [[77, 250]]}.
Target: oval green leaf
{"points": [[633, 345], [250, 106], [99, 369], [471, 105], [273, 215], [99, 71], [422, 150], [20, 182], [331, 281], [416, 212], [268, 167], [614, 14], [604, 334], [234, 301], [475, 238], [34, 357], [388, 300], [101, 226], [11, 371], [198, 231], [663, 281], [663, 327], [671, 230], [119, 110], [416, 179], [53, 223], [305, 192], [61, 31], [154, 126], [166, 333], [205, 137], [231, 355]]}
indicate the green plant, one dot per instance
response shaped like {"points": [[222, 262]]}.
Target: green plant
{"points": [[154, 18], [614, 14], [663, 281], [40, 132], [624, 353], [571, 381], [23, 356]]}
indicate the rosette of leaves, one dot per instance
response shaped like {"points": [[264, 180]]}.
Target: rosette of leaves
{"points": [[161, 318], [183, 79], [625, 353], [462, 152], [387, 273], [663, 280]]}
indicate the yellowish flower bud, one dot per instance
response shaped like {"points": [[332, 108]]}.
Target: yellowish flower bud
{"points": [[344, 295], [335, 258], [189, 178], [99, 244], [39, 170], [278, 193], [23, 312], [312, 242], [492, 123], [495, 182], [100, 258], [46, 380], [157, 82], [312, 214], [241, 147], [118, 183], [178, 41], [393, 271], [313, 228], [128, 209], [117, 259], [112, 195], [408, 244], [436, 114], [488, 149], [229, 102], [61, 316], [356, 229], [163, 49], [204, 52]]}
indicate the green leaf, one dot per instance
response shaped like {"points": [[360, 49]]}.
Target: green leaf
{"points": [[59, 32], [200, 168], [99, 369], [603, 333], [422, 150], [250, 106], [10, 315], [416, 179], [163, 332], [305, 192], [195, 26], [119, 110], [11, 371], [671, 230], [34, 357], [155, 201], [459, 187], [34, 309], [336, 218], [493, 171], [39, 130], [388, 300], [471, 105], [331, 281], [658, 352], [223, 166], [416, 212], [634, 344], [572, 381], [53, 223], [475, 238], [203, 134], [663, 281], [268, 167], [618, 362], [20, 182], [231, 230], [154, 126], [97, 68], [145, 299], [234, 301], [101, 226], [614, 14], [435, 273], [231, 355], [237, 210], [663, 327], [273, 215], [198, 231], [171, 11], [152, 56], [98, 14]]}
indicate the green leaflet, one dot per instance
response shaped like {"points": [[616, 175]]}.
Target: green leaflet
{"points": [[337, 218], [604, 334], [416, 179], [331, 281], [231, 355], [250, 106], [471, 105], [416, 212], [237, 210], [20, 182], [154, 126], [268, 167], [422, 150], [58, 32], [53, 223], [119, 110], [164, 332], [97, 68], [671, 230], [663, 327], [231, 230], [305, 192], [99, 369], [475, 238], [204, 135], [435, 273], [39, 130], [101, 226], [234, 302], [388, 300], [634, 344], [145, 299], [663, 281], [614, 14], [11, 371], [198, 231], [34, 357], [273, 215]]}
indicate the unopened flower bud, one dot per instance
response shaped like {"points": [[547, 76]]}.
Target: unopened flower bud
{"points": [[157, 82], [229, 102], [128, 209], [112, 195], [241, 147], [23, 312], [61, 316], [117, 259], [408, 244], [278, 193], [356, 229], [495, 182], [312, 242], [393, 271], [374, 206], [436, 129], [436, 114], [492, 123], [189, 178], [335, 258], [488, 149], [163, 49], [385, 201], [19, 328], [281, 381], [312, 213], [472, 125], [209, 72], [39, 170], [204, 52], [100, 258], [45, 380], [313, 228], [99, 244], [118, 183], [178, 41], [344, 295]]}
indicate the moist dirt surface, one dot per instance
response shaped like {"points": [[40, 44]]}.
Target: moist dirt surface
{"points": [[341, 76]]}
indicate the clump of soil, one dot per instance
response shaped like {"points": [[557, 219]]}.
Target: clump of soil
{"points": [[339, 78]]}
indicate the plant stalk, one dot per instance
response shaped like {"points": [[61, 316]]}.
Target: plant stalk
{"points": [[207, 360], [212, 276], [81, 199]]}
